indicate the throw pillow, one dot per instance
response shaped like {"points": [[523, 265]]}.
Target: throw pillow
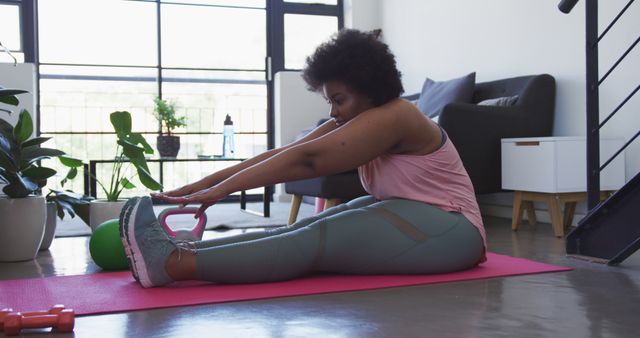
{"points": [[500, 101], [436, 95]]}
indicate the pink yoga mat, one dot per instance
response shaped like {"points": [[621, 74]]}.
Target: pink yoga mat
{"points": [[118, 292]]}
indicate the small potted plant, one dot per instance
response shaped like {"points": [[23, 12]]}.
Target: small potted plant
{"points": [[60, 203], [165, 112], [23, 208], [63, 202], [130, 152]]}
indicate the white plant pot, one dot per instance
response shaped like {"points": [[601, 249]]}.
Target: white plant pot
{"points": [[21, 227], [50, 226], [101, 211]]}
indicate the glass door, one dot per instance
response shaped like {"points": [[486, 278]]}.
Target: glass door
{"points": [[296, 28]]}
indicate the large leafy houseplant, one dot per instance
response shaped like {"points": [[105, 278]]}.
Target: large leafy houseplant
{"points": [[165, 112], [130, 152], [20, 156], [22, 224]]}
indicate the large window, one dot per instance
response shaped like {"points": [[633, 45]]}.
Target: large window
{"points": [[211, 57]]}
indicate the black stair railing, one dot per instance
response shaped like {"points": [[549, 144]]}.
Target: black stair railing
{"points": [[610, 231], [593, 82]]}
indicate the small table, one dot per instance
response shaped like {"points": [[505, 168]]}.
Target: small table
{"points": [[91, 188], [553, 170]]}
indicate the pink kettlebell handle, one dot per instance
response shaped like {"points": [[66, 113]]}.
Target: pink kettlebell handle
{"points": [[197, 230]]}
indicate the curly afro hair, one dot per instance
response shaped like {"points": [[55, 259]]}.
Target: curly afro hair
{"points": [[360, 61]]}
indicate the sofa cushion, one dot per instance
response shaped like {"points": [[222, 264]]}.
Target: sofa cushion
{"points": [[436, 95], [500, 101]]}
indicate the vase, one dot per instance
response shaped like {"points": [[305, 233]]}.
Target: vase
{"points": [[50, 226], [103, 210], [168, 146], [21, 227]]}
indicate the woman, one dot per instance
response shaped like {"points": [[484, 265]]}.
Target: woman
{"points": [[421, 216]]}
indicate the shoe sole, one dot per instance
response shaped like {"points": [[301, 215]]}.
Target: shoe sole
{"points": [[127, 250], [137, 259], [127, 233], [124, 217]]}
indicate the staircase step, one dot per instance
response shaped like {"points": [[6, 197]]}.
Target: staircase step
{"points": [[610, 232]]}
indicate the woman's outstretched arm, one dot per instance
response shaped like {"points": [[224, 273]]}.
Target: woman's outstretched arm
{"points": [[219, 176], [365, 137]]}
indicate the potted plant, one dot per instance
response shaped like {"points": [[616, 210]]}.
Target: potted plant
{"points": [[165, 112], [23, 208], [62, 202], [130, 152]]}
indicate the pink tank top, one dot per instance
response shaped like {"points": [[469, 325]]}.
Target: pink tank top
{"points": [[438, 179]]}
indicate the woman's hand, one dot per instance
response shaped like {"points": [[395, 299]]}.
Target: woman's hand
{"points": [[179, 192], [205, 197], [182, 191]]}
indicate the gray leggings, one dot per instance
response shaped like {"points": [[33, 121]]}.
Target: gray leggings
{"points": [[363, 236]]}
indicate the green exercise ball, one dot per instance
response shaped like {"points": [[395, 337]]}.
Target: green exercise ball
{"points": [[106, 247]]}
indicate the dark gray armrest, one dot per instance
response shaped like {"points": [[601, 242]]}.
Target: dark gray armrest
{"points": [[491, 120], [476, 132]]}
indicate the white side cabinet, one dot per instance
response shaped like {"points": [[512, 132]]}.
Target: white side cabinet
{"points": [[557, 164], [553, 170]]}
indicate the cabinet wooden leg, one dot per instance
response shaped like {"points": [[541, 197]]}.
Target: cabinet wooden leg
{"points": [[531, 212], [605, 194], [569, 210], [516, 217], [553, 202], [295, 207]]}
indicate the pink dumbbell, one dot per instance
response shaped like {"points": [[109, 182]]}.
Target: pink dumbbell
{"points": [[193, 234]]}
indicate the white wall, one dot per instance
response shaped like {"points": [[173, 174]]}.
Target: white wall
{"points": [[20, 76], [296, 109], [505, 38]]}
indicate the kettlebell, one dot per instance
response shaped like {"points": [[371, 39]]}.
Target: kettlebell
{"points": [[193, 234]]}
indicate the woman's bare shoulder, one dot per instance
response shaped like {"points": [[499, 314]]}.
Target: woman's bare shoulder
{"points": [[402, 111], [419, 135]]}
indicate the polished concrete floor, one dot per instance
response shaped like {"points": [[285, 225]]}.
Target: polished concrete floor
{"points": [[593, 300]]}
